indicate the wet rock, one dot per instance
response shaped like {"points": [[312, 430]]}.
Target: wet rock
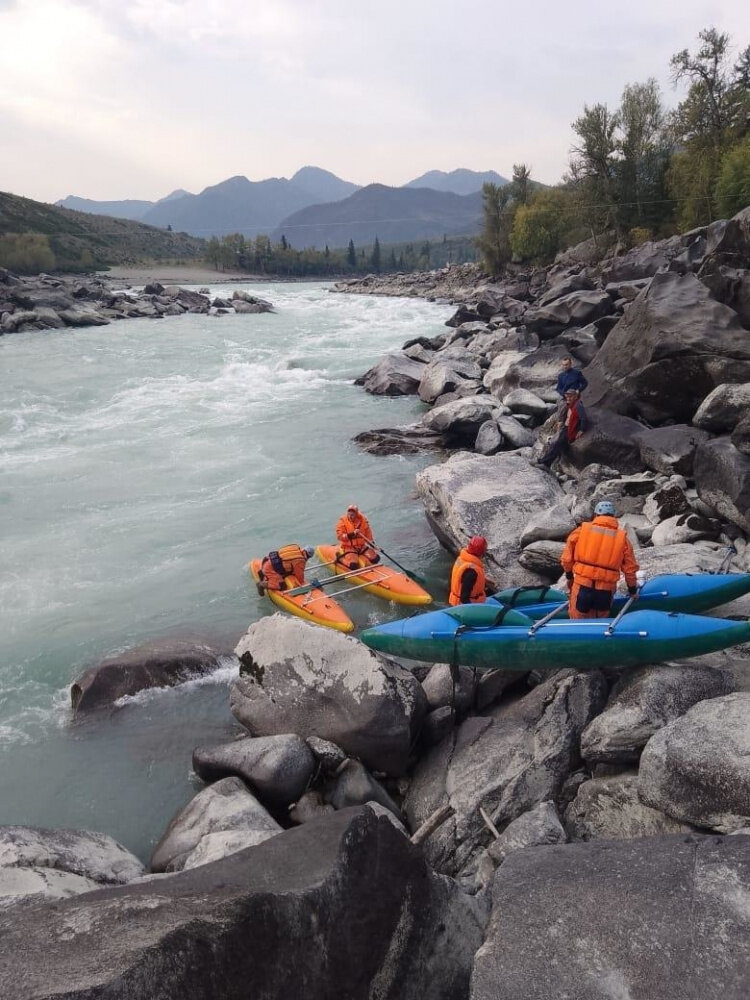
{"points": [[226, 815], [650, 919], [723, 407], [671, 449], [407, 440], [303, 679], [355, 787], [161, 663], [697, 768], [722, 477], [257, 305], [224, 929], [493, 496], [611, 809], [277, 768], [393, 375], [91, 856], [641, 703]]}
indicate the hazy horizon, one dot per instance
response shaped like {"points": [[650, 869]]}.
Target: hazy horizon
{"points": [[132, 101]]}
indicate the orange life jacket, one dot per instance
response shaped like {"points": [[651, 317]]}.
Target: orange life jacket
{"points": [[346, 525], [289, 560], [600, 551], [466, 561]]}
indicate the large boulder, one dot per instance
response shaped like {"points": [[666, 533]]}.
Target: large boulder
{"points": [[741, 435], [641, 703], [611, 809], [40, 883], [303, 679], [365, 915], [355, 786], [492, 496], [688, 527], [445, 375], [225, 810], [574, 309], [410, 439], [722, 477], [671, 449], [543, 557], [650, 919], [675, 344], [565, 284], [489, 440], [161, 663], [536, 371], [554, 523], [278, 768], [87, 854], [642, 261], [459, 421], [721, 409], [611, 439], [514, 433], [393, 375], [697, 768], [506, 763]]}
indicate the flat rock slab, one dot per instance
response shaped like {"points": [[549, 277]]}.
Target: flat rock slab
{"points": [[341, 907], [655, 919], [611, 809], [85, 853]]}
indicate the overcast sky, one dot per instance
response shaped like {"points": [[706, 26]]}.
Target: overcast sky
{"points": [[133, 98]]}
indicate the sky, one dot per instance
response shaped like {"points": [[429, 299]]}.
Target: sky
{"points": [[112, 99]]}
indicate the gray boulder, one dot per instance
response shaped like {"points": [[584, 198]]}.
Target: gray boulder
{"points": [[612, 440], [741, 435], [564, 285], [460, 420], [723, 407], [611, 809], [651, 919], [628, 493], [312, 681], [671, 449], [224, 930], [675, 344], [494, 378], [690, 527], [667, 501], [534, 828], [410, 439], [445, 375], [328, 755], [92, 856], [543, 557], [161, 663], [489, 440], [574, 309], [37, 884], [225, 814], [642, 261], [555, 523], [697, 768], [355, 786], [722, 477], [492, 496], [514, 433], [438, 687], [524, 401], [310, 806], [506, 762], [536, 372], [393, 375], [641, 703], [278, 768]]}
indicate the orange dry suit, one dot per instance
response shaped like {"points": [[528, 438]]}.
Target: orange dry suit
{"points": [[594, 556], [467, 580], [289, 560], [349, 530]]}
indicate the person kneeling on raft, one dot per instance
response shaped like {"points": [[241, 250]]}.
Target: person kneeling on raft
{"points": [[595, 554], [289, 560], [355, 538], [468, 578]]}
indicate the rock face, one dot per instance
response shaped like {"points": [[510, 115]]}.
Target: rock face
{"points": [[574, 309], [355, 787], [673, 347], [393, 375], [279, 768], [221, 819], [722, 408], [18, 884], [492, 496], [162, 663], [611, 809], [612, 439], [92, 856], [299, 678], [651, 919], [540, 825], [224, 930], [741, 435], [697, 769], [643, 702], [507, 762], [722, 477], [671, 449]]}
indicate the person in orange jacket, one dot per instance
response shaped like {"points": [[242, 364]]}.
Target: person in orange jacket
{"points": [[289, 560], [595, 554], [355, 538], [468, 578]]}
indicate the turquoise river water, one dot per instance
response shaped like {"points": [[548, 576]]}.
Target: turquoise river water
{"points": [[143, 463]]}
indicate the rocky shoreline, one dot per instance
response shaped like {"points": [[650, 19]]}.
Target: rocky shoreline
{"points": [[582, 834], [52, 302]]}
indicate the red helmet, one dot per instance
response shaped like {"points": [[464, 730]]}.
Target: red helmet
{"points": [[477, 545]]}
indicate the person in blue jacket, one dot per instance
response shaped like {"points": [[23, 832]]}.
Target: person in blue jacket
{"points": [[570, 378]]}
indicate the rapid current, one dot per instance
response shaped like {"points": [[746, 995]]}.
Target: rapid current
{"points": [[143, 463]]}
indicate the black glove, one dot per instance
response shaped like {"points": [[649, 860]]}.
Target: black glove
{"points": [[351, 535], [375, 558], [632, 591]]}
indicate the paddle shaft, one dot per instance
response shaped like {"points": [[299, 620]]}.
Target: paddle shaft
{"points": [[548, 617], [307, 587], [623, 610], [414, 576]]}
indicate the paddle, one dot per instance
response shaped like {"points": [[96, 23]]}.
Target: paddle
{"points": [[623, 610], [316, 584], [543, 621], [412, 575]]}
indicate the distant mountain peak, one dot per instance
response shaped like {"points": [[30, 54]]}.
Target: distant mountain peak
{"points": [[459, 181]]}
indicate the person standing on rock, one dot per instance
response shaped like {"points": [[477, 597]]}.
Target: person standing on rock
{"points": [[570, 378], [595, 554], [571, 423], [355, 538], [289, 560], [468, 578]]}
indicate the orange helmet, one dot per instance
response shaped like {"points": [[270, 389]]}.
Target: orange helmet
{"points": [[477, 545]]}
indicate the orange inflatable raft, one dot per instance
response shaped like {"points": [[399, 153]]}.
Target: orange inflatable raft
{"points": [[315, 606], [378, 579]]}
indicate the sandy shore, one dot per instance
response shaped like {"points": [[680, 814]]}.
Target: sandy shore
{"points": [[176, 274]]}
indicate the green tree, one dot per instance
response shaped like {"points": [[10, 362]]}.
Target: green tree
{"points": [[494, 240], [594, 167], [644, 151], [27, 253], [733, 185], [351, 255], [540, 227], [521, 183], [376, 259]]}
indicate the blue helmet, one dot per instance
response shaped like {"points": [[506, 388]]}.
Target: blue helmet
{"points": [[605, 507], [308, 550]]}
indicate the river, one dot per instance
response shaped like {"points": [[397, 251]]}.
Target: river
{"points": [[143, 464]]}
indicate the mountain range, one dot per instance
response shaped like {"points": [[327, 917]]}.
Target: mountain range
{"points": [[314, 208]]}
